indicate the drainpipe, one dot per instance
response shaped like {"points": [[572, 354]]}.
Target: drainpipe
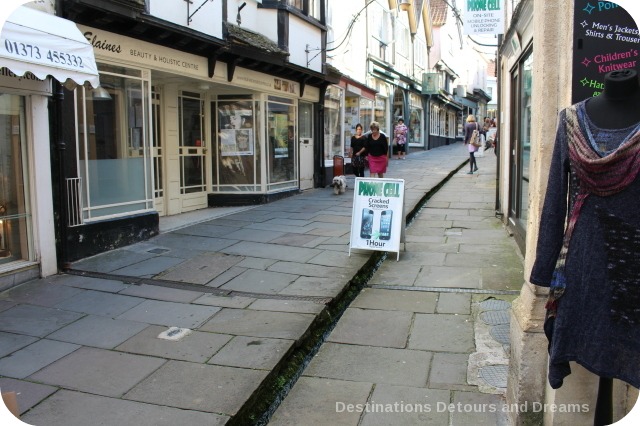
{"points": [[58, 98], [499, 119]]}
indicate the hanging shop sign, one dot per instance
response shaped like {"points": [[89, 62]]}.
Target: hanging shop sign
{"points": [[377, 219], [606, 39], [483, 17]]}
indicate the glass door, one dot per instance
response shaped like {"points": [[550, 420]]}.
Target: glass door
{"points": [[15, 216], [192, 151]]}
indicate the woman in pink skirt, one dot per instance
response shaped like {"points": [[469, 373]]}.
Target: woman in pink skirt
{"points": [[377, 146]]}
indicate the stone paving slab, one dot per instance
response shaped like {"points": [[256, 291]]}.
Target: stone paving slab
{"points": [[370, 364], [169, 314], [277, 305], [256, 263], [206, 229], [98, 371], [272, 251], [396, 300], [10, 342], [278, 325], [224, 301], [34, 357], [257, 235], [6, 304], [150, 267], [161, 293], [266, 282], [373, 328], [299, 240], [478, 409], [404, 405], [258, 353], [35, 321], [308, 270], [313, 286], [449, 371], [194, 347], [193, 242], [112, 260], [210, 388], [443, 276], [89, 283], [226, 276], [28, 394], [68, 408], [99, 303], [454, 303], [98, 332], [40, 293], [317, 401], [388, 273], [427, 333]]}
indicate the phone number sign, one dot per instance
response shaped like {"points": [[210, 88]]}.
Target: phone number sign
{"points": [[378, 214]]}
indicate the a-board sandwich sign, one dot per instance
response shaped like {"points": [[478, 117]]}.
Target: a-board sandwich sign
{"points": [[378, 214]]}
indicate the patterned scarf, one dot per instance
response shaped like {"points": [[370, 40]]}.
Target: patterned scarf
{"points": [[600, 176]]}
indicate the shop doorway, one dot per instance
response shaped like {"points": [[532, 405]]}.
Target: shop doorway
{"points": [[157, 153], [191, 151], [305, 130]]}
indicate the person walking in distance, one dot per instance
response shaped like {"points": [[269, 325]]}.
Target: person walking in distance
{"points": [[400, 135], [377, 147], [468, 131], [357, 152]]}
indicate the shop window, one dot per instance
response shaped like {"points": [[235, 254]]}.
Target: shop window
{"points": [[237, 159], [351, 118], [366, 113], [434, 120], [451, 127], [113, 145], [332, 122], [380, 114], [281, 141], [15, 211]]}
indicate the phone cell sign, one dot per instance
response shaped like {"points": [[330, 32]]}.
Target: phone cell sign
{"points": [[376, 221]]}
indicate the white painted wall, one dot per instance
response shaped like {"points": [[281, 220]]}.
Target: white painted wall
{"points": [[303, 36], [208, 20], [262, 21]]}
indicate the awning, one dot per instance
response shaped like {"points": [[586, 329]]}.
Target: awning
{"points": [[43, 44]]}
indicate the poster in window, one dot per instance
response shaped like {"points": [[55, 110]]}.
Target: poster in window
{"points": [[236, 142]]}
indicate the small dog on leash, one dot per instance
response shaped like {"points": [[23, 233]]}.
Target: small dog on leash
{"points": [[339, 184]]}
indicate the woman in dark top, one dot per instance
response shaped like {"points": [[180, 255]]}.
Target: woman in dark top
{"points": [[377, 146], [357, 152]]}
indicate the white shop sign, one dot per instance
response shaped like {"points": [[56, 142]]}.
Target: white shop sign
{"points": [[377, 219]]}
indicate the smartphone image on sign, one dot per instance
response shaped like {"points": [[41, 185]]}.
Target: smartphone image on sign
{"points": [[366, 225], [385, 224]]}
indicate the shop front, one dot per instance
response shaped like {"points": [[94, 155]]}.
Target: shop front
{"points": [[29, 126], [170, 136]]}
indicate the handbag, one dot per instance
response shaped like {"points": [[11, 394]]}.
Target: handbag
{"points": [[475, 137]]}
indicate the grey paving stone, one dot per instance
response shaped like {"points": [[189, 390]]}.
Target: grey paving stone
{"points": [[396, 300], [206, 229], [224, 301], [89, 283], [169, 314], [68, 408], [321, 231], [288, 222], [99, 303], [98, 371], [150, 267], [39, 292], [299, 240], [10, 342], [404, 405], [443, 276], [448, 369], [32, 358], [98, 331], [257, 235], [265, 282], [316, 401], [339, 259], [442, 333], [279, 325], [6, 304], [225, 277], [476, 408], [505, 276], [210, 388], [111, 260], [27, 394], [252, 352], [35, 320], [256, 263], [312, 270], [299, 306], [454, 303], [370, 364], [193, 242], [201, 269], [372, 327], [194, 347], [161, 293], [423, 258], [315, 286], [272, 251]]}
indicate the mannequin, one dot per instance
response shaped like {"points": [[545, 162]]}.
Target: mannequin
{"points": [[617, 107], [588, 311], [619, 104]]}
